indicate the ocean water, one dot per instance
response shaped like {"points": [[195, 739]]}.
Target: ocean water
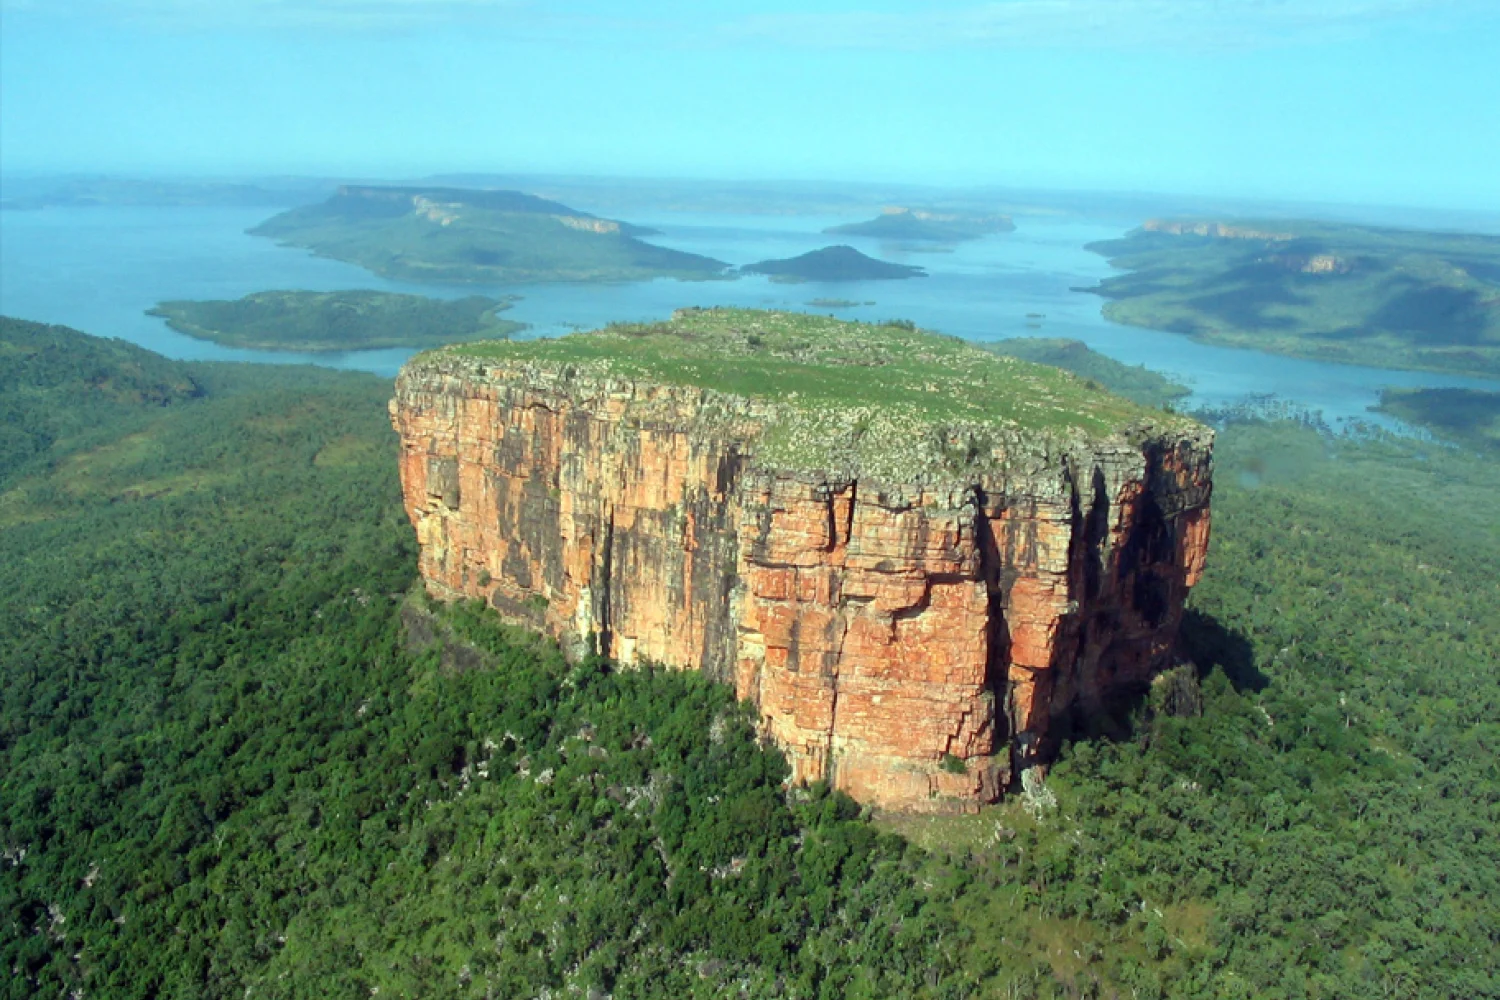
{"points": [[100, 269]]}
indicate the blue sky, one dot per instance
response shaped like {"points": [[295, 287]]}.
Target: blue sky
{"points": [[1376, 101]]}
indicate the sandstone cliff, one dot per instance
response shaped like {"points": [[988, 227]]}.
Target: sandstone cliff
{"points": [[912, 593]]}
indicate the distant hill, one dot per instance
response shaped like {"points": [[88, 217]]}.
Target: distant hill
{"points": [[1137, 383], [27, 193], [919, 224], [453, 235], [56, 383], [838, 263], [1334, 292], [338, 321]]}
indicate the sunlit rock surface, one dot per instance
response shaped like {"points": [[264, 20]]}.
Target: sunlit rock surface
{"points": [[912, 640]]}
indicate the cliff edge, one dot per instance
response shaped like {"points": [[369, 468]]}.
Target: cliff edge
{"points": [[912, 555]]}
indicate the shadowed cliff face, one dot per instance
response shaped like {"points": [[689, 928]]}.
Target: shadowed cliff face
{"points": [[911, 643]]}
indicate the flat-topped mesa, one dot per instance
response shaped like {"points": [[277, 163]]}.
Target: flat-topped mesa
{"points": [[913, 556]]}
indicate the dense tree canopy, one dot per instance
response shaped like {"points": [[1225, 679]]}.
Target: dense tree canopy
{"points": [[240, 757]]}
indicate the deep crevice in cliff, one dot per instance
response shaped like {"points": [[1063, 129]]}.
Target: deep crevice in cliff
{"points": [[1095, 530], [1148, 545], [997, 638], [606, 585]]}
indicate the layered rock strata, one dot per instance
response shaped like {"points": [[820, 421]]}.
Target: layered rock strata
{"points": [[913, 642]]}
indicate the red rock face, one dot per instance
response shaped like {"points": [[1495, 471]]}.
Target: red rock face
{"points": [[913, 645]]}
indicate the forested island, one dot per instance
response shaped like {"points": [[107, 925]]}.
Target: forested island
{"points": [[338, 321], [460, 236], [1392, 298], [836, 263], [900, 223], [214, 685]]}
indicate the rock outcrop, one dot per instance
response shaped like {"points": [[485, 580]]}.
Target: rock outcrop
{"points": [[1217, 230], [911, 631]]}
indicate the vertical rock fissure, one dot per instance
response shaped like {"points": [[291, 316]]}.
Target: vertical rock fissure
{"points": [[830, 756], [849, 518], [606, 583], [997, 644]]}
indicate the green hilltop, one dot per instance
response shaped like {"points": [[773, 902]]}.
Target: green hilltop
{"points": [[889, 399], [458, 236], [1333, 292]]}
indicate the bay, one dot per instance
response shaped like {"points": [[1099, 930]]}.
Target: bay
{"points": [[100, 268]]}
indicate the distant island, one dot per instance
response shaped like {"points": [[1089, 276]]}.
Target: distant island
{"points": [[838, 263], [1136, 383], [33, 193], [1469, 417], [453, 235], [837, 303], [898, 223], [338, 321], [1333, 292]]}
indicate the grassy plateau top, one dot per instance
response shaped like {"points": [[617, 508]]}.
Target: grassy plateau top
{"points": [[886, 400]]}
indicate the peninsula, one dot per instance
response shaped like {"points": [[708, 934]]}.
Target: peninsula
{"points": [[913, 555], [1134, 382], [459, 236], [338, 321], [1468, 417], [1391, 298]]}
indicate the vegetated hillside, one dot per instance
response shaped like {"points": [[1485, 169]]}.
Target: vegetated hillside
{"points": [[1137, 383], [51, 391], [1466, 416], [453, 235], [338, 321], [227, 766], [838, 263], [899, 223], [1334, 292]]}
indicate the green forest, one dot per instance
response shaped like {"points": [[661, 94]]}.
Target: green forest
{"points": [[242, 756], [359, 319]]}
